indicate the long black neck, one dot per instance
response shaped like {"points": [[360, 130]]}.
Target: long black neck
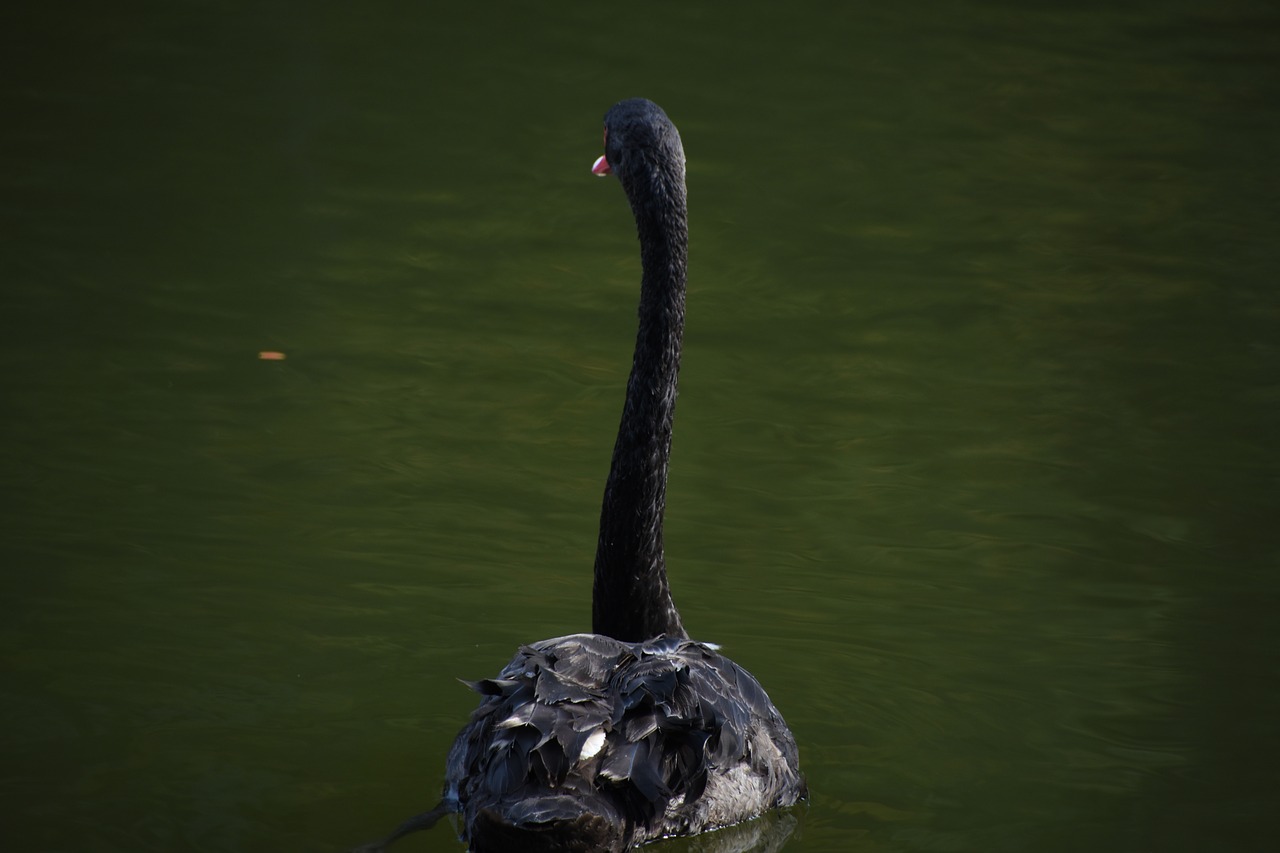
{"points": [[631, 599]]}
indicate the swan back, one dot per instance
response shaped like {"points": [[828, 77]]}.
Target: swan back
{"points": [[588, 740]]}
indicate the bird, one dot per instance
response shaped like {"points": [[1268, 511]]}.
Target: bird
{"points": [[606, 740]]}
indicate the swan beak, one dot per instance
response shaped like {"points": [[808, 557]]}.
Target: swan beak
{"points": [[601, 168]]}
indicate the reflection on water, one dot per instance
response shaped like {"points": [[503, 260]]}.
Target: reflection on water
{"points": [[973, 468], [766, 834]]}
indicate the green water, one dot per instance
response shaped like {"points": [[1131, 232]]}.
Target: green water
{"points": [[975, 458]]}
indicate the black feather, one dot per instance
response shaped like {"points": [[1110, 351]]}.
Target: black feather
{"points": [[636, 730]]}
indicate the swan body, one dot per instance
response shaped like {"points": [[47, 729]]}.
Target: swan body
{"points": [[611, 744], [603, 741]]}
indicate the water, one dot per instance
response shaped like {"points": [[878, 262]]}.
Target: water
{"points": [[974, 461]]}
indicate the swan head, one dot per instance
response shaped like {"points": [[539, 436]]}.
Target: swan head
{"points": [[638, 137]]}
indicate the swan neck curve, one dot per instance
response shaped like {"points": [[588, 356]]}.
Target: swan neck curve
{"points": [[631, 598]]}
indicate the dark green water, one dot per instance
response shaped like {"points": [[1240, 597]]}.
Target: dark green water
{"points": [[975, 461]]}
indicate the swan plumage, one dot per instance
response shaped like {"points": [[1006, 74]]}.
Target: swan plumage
{"points": [[621, 743], [603, 741]]}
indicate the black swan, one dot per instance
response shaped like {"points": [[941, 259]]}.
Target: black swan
{"points": [[604, 741]]}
